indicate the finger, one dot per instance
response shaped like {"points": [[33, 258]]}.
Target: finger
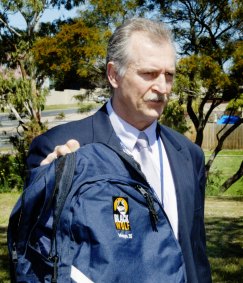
{"points": [[73, 145], [50, 157], [62, 150]]}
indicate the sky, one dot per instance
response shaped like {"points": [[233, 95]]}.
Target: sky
{"points": [[50, 14]]}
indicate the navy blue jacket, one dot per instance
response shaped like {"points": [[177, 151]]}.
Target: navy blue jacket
{"points": [[187, 165]]}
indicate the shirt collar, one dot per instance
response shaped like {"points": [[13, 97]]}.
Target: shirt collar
{"points": [[126, 132]]}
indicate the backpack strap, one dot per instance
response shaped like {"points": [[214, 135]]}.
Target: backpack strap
{"points": [[65, 168]]}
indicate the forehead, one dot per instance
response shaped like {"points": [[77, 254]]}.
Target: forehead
{"points": [[145, 52]]}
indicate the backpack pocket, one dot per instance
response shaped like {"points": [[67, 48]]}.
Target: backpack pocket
{"points": [[112, 238]]}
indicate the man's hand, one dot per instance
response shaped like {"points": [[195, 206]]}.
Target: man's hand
{"points": [[70, 146]]}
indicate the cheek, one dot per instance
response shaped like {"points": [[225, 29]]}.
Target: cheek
{"points": [[141, 88], [133, 90]]}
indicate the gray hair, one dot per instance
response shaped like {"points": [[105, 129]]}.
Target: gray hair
{"points": [[117, 46]]}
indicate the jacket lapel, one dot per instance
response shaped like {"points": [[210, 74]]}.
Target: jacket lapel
{"points": [[182, 172]]}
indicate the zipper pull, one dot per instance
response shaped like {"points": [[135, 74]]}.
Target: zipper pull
{"points": [[14, 254], [150, 203], [54, 259], [14, 258]]}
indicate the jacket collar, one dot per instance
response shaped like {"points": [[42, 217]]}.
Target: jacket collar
{"points": [[103, 131]]}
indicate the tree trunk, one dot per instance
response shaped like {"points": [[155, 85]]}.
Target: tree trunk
{"points": [[219, 146], [18, 117], [199, 137], [229, 182]]}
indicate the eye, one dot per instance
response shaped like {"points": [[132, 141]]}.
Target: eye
{"points": [[169, 75], [149, 75]]}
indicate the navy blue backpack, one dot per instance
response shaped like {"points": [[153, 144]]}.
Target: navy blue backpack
{"points": [[91, 216]]}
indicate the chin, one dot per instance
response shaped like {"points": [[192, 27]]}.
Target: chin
{"points": [[149, 119], [156, 106], [156, 113]]}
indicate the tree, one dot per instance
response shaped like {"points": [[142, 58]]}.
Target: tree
{"points": [[21, 86], [231, 180], [77, 50], [75, 55], [174, 116], [17, 56], [236, 79], [15, 45], [200, 80]]}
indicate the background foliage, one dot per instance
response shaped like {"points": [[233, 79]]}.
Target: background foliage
{"points": [[71, 53]]}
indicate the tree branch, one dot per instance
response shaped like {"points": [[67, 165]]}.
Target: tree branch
{"points": [[18, 117], [231, 180], [219, 146], [215, 103], [191, 112], [10, 28]]}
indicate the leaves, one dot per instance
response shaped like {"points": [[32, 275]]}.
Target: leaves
{"points": [[174, 116], [76, 47], [17, 93]]}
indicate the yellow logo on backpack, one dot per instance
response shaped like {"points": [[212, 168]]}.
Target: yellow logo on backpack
{"points": [[121, 216]]}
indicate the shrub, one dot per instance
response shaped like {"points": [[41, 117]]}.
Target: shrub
{"points": [[174, 116], [10, 173], [86, 107], [213, 183], [60, 116]]}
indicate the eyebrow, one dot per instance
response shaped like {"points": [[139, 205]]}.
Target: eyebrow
{"points": [[152, 69]]}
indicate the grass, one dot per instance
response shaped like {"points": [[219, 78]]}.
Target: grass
{"points": [[84, 106], [224, 226], [60, 106], [7, 201], [225, 165]]}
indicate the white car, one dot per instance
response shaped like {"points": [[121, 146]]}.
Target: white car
{"points": [[101, 99]]}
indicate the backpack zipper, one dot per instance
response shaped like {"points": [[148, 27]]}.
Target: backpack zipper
{"points": [[150, 203], [147, 196]]}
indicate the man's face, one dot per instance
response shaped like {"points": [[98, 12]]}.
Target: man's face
{"points": [[141, 94]]}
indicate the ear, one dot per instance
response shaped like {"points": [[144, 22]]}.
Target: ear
{"points": [[112, 75]]}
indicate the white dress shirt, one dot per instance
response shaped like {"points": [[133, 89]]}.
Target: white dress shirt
{"points": [[128, 136]]}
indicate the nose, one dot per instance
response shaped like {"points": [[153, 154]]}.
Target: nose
{"points": [[160, 84]]}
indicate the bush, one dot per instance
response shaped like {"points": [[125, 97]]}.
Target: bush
{"points": [[60, 116], [174, 116], [86, 107], [10, 173], [13, 167], [213, 183]]}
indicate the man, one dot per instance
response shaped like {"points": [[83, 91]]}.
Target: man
{"points": [[140, 69]]}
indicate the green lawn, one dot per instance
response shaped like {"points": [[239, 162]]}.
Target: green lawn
{"points": [[225, 165], [60, 107], [224, 226], [84, 106], [7, 201]]}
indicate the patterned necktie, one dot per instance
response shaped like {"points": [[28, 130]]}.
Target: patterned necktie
{"points": [[145, 159]]}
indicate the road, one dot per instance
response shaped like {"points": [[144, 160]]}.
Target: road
{"points": [[8, 127]]}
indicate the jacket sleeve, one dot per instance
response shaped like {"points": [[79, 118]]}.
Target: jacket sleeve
{"points": [[44, 144], [40, 147]]}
